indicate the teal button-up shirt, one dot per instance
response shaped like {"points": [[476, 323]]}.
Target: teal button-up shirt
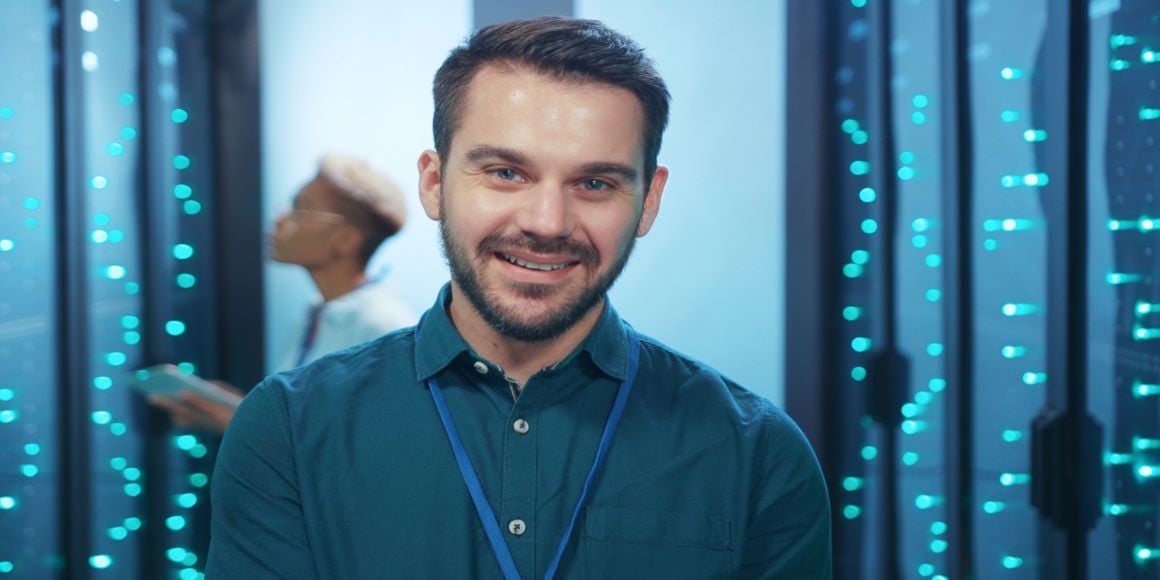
{"points": [[342, 469]]}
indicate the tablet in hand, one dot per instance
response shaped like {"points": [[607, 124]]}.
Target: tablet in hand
{"points": [[168, 381]]}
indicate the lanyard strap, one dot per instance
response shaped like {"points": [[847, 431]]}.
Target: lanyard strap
{"points": [[483, 509]]}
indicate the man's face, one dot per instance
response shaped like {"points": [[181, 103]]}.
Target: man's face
{"points": [[541, 198], [306, 234]]}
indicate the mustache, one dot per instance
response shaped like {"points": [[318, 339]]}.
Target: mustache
{"points": [[496, 243]]}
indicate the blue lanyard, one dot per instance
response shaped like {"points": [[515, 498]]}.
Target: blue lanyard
{"points": [[483, 508]]}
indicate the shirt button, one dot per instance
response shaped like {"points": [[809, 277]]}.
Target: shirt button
{"points": [[517, 527], [520, 426], [481, 367]]}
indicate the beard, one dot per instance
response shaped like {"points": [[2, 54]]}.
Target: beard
{"points": [[506, 320]]}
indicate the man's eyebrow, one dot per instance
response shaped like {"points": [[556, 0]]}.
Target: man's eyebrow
{"points": [[481, 153], [624, 171]]}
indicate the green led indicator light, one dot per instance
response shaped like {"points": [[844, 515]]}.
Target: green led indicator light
{"points": [[182, 251], [849, 126], [860, 344], [1143, 554], [1118, 40], [7, 502], [925, 502], [175, 523], [101, 561], [1012, 479], [132, 489], [175, 328], [938, 528], [1010, 74], [181, 162], [1012, 562], [851, 313], [1118, 278], [1034, 135], [1011, 352], [860, 167], [858, 373], [911, 427], [869, 452], [1011, 435], [993, 507], [132, 524], [191, 207], [179, 116], [920, 101], [1149, 114], [909, 458], [867, 195], [1117, 458], [118, 533], [1141, 390], [851, 512], [852, 483], [186, 280], [198, 480], [1031, 379], [1017, 309], [1009, 116], [937, 385], [187, 500]]}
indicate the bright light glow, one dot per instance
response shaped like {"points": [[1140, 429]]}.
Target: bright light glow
{"points": [[89, 21]]}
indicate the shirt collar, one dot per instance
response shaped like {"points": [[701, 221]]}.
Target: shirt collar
{"points": [[606, 346]]}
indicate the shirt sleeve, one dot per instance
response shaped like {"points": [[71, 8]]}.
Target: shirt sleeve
{"points": [[258, 529], [789, 531]]}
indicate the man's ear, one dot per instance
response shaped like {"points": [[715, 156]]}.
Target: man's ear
{"points": [[348, 240], [430, 183], [652, 200]]}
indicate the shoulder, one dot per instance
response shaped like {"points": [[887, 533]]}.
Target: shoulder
{"points": [[710, 395], [380, 364], [381, 308]]}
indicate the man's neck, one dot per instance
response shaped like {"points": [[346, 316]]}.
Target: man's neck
{"points": [[337, 280], [518, 359]]}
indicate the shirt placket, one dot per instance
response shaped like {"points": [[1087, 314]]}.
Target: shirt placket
{"points": [[517, 507]]}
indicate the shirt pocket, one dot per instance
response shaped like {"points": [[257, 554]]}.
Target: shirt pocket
{"points": [[631, 543]]}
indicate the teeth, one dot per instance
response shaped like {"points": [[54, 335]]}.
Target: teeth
{"points": [[533, 265]]}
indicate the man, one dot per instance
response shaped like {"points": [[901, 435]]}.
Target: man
{"points": [[522, 430], [337, 222]]}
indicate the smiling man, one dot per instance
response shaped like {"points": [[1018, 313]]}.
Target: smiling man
{"points": [[522, 429]]}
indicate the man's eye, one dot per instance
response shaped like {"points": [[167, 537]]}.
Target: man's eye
{"points": [[507, 174], [596, 185]]}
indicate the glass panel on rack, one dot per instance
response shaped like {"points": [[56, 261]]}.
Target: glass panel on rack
{"points": [[29, 421], [1124, 259], [1009, 278], [918, 250], [858, 491], [110, 142], [179, 125]]}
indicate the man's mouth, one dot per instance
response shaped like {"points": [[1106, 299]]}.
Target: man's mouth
{"points": [[530, 265]]}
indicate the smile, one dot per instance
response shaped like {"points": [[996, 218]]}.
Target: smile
{"points": [[534, 265]]}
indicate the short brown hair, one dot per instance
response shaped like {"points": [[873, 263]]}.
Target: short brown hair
{"points": [[565, 48]]}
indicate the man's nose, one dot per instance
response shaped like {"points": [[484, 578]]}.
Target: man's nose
{"points": [[547, 212]]}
